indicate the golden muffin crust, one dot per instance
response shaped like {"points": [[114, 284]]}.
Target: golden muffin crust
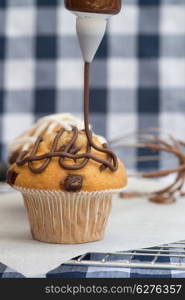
{"points": [[54, 177]]}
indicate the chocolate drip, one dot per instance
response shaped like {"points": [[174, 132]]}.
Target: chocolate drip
{"points": [[70, 150], [111, 155]]}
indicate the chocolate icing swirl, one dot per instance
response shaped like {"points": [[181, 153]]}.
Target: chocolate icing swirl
{"points": [[70, 150]]}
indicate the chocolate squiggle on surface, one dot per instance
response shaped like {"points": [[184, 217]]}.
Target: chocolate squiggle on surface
{"points": [[70, 150]]}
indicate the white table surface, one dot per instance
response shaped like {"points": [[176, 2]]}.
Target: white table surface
{"points": [[134, 223]]}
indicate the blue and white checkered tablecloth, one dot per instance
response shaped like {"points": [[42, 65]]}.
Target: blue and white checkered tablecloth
{"points": [[138, 77], [89, 271]]}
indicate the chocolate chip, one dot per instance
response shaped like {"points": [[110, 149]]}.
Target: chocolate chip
{"points": [[73, 183], [11, 177]]}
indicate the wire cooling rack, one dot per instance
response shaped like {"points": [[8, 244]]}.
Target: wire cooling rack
{"points": [[168, 256]]}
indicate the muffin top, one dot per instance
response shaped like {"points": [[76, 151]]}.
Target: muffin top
{"points": [[56, 154]]}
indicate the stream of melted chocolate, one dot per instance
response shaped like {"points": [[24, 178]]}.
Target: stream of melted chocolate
{"points": [[70, 150]]}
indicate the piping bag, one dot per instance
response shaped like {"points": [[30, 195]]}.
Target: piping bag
{"points": [[91, 22]]}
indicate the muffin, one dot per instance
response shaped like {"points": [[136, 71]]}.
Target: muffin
{"points": [[67, 183]]}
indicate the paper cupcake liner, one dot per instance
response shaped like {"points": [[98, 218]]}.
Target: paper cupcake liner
{"points": [[67, 218]]}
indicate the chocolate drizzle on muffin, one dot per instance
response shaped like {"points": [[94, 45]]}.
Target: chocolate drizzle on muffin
{"points": [[70, 150]]}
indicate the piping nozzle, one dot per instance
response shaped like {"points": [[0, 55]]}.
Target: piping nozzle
{"points": [[90, 31]]}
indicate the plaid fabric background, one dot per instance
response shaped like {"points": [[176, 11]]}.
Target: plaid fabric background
{"points": [[138, 77], [73, 270]]}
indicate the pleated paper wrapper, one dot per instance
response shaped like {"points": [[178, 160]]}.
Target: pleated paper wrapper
{"points": [[67, 217]]}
